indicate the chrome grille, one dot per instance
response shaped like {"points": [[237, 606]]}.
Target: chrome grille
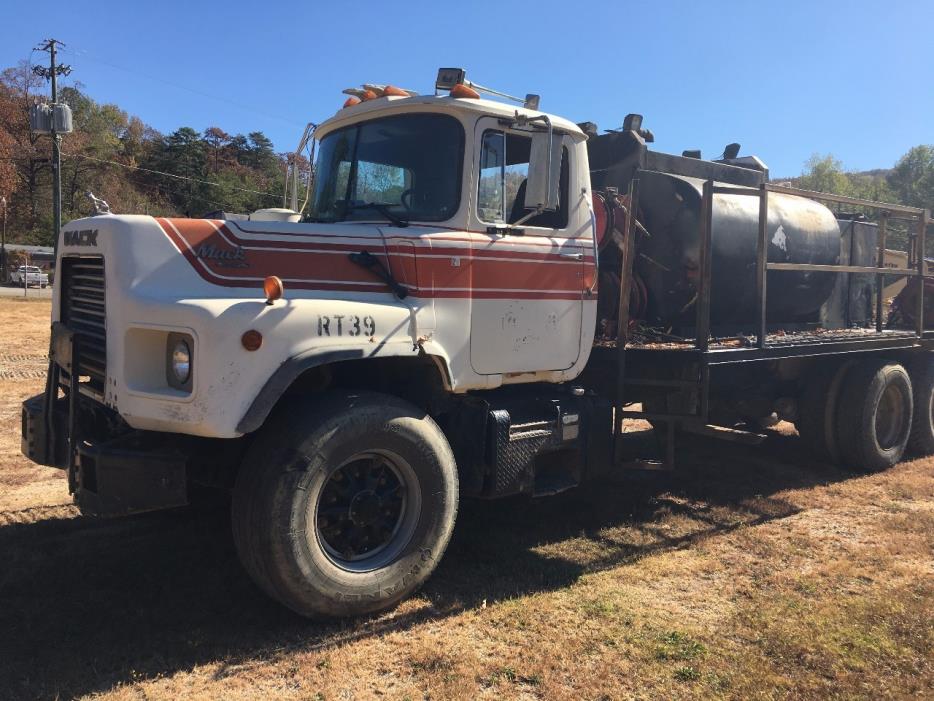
{"points": [[83, 306]]}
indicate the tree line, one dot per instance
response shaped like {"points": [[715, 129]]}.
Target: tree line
{"points": [[123, 160], [190, 173], [909, 182]]}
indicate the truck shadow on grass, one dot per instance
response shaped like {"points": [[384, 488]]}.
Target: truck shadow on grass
{"points": [[88, 604]]}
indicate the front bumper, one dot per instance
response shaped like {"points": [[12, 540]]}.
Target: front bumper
{"points": [[120, 475]]}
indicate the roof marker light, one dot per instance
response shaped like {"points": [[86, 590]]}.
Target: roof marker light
{"points": [[461, 90], [392, 90], [371, 91]]}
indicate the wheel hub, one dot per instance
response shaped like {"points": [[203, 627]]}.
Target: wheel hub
{"points": [[889, 417], [360, 509], [365, 508]]}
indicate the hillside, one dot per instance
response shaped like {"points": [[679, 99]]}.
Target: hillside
{"points": [[120, 158]]}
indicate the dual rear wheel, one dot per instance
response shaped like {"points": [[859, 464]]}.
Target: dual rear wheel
{"points": [[867, 414]]}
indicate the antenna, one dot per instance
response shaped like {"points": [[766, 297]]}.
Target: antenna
{"points": [[291, 170]]}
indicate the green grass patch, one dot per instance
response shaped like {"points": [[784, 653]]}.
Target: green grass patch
{"points": [[675, 645], [687, 673]]}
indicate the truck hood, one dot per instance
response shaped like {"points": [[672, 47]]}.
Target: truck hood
{"points": [[199, 257], [203, 279]]}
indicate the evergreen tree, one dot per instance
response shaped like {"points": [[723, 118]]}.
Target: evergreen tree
{"points": [[912, 179]]}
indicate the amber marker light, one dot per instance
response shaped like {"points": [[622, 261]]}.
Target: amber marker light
{"points": [[252, 340], [273, 288], [369, 95], [392, 90], [351, 101], [461, 90]]}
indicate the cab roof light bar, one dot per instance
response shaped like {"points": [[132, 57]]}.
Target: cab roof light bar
{"points": [[448, 78], [370, 91]]}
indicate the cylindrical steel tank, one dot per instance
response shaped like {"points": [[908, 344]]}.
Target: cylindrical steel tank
{"points": [[799, 231]]}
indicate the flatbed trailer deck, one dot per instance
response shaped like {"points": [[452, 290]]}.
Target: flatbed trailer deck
{"points": [[649, 365]]}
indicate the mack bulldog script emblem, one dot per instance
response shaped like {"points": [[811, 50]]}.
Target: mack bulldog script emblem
{"points": [[85, 237], [227, 258]]}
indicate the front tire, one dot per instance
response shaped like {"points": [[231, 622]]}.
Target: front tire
{"points": [[344, 507]]}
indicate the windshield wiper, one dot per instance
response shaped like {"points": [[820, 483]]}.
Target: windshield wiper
{"points": [[367, 260], [383, 209]]}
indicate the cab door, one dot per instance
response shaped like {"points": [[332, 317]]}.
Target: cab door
{"points": [[527, 277]]}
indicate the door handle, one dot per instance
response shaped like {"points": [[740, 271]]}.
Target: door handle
{"points": [[572, 256]]}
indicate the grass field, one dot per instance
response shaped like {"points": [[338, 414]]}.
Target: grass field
{"points": [[754, 574]]}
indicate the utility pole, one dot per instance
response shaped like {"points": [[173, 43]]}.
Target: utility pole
{"points": [[3, 243], [51, 73]]}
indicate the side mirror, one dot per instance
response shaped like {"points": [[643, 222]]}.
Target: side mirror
{"points": [[541, 187]]}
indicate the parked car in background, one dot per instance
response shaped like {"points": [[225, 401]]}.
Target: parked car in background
{"points": [[31, 274]]}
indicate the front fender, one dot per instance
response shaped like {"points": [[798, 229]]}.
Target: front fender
{"points": [[283, 378]]}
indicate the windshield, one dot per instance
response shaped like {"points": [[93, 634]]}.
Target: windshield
{"points": [[401, 168]]}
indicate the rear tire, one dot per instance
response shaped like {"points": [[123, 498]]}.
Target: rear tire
{"points": [[874, 415], [921, 439], [344, 507], [817, 412]]}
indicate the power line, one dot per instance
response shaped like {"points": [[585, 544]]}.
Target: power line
{"points": [[85, 55], [171, 175], [166, 190]]}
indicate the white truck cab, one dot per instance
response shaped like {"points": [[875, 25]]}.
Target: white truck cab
{"points": [[448, 247], [430, 188]]}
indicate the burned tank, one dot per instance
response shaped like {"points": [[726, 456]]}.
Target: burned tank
{"points": [[667, 263], [800, 231]]}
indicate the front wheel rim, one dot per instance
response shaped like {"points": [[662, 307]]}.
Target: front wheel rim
{"points": [[366, 511]]}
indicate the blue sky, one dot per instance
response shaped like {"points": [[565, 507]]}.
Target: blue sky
{"points": [[785, 79]]}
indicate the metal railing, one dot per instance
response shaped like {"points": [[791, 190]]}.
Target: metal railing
{"points": [[916, 269], [701, 341]]}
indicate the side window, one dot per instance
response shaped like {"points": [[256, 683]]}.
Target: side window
{"points": [[504, 168]]}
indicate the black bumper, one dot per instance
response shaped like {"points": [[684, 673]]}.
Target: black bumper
{"points": [[108, 476], [36, 443]]}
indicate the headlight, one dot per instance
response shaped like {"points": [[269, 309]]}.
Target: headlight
{"points": [[181, 362], [178, 361]]}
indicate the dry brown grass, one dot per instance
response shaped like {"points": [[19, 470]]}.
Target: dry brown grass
{"points": [[755, 574], [23, 362]]}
